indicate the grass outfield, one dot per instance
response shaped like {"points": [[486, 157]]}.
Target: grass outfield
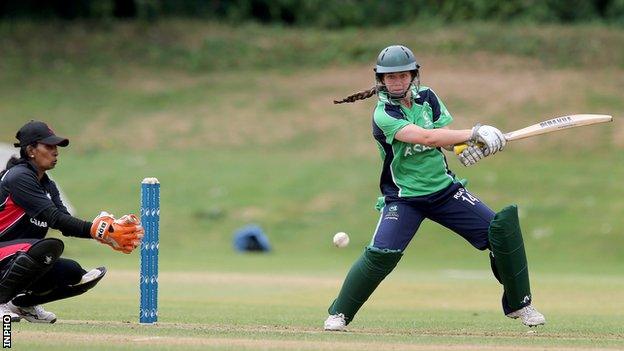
{"points": [[247, 142], [300, 208], [413, 310]]}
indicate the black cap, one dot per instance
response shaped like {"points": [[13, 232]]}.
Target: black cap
{"points": [[36, 131]]}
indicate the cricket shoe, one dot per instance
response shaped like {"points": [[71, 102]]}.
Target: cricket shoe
{"points": [[336, 322], [529, 316], [33, 314], [6, 311]]}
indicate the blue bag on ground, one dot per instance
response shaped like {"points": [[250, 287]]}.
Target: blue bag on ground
{"points": [[251, 238]]}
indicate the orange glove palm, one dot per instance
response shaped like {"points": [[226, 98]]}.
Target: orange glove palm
{"points": [[123, 234]]}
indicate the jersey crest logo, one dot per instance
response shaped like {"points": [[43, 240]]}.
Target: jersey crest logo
{"points": [[425, 117]]}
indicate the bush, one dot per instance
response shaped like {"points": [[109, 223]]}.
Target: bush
{"points": [[615, 11], [325, 14]]}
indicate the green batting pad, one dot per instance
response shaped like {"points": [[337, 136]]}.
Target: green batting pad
{"points": [[363, 278], [509, 256]]}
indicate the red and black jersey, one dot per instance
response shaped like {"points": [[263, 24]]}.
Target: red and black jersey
{"points": [[23, 197]]}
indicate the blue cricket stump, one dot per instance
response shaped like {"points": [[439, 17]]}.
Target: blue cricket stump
{"points": [[150, 217]]}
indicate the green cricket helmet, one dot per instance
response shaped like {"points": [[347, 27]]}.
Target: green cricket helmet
{"points": [[396, 58]]}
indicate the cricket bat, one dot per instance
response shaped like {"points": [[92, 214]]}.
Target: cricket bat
{"points": [[549, 126]]}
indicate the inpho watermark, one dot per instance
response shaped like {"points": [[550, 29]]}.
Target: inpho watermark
{"points": [[6, 331]]}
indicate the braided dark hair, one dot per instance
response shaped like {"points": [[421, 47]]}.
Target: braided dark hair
{"points": [[360, 95]]}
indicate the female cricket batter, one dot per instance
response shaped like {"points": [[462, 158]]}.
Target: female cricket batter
{"points": [[31, 269], [410, 128]]}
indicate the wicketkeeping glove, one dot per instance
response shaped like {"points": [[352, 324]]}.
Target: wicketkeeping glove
{"points": [[123, 234]]}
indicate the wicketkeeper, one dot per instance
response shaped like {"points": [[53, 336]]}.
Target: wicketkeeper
{"points": [[410, 129], [32, 271]]}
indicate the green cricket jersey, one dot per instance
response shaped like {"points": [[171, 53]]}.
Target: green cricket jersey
{"points": [[411, 169]]}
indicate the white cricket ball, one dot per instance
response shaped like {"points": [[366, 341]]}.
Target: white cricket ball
{"points": [[341, 239]]}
